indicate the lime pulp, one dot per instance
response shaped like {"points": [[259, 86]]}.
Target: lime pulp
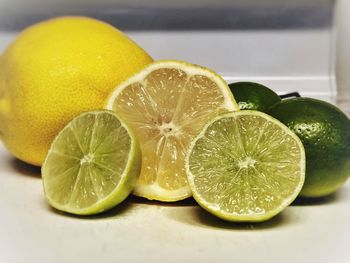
{"points": [[245, 166], [92, 164]]}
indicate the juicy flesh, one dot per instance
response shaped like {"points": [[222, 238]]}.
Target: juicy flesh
{"points": [[167, 110], [245, 165], [87, 160]]}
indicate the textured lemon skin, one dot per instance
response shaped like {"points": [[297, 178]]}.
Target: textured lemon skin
{"points": [[55, 70]]}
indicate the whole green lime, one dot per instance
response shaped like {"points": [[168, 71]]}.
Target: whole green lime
{"points": [[254, 96], [325, 133]]}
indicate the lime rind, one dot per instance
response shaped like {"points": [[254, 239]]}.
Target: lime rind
{"points": [[124, 186], [254, 96], [252, 217], [325, 132]]}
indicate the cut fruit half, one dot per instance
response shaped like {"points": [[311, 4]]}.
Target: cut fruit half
{"points": [[167, 105], [92, 165], [245, 166]]}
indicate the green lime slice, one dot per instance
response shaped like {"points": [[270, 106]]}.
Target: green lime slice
{"points": [[245, 166], [92, 165]]}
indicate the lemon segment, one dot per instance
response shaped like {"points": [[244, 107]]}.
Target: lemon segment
{"points": [[167, 104]]}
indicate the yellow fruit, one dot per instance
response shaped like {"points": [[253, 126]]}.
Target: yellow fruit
{"points": [[167, 105], [55, 70]]}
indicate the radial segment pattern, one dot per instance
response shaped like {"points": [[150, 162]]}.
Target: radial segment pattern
{"points": [[167, 107], [246, 166]]}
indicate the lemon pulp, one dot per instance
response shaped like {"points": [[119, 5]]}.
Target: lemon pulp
{"points": [[167, 104]]}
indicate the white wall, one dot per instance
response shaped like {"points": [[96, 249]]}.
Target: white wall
{"points": [[343, 45], [138, 3], [343, 21]]}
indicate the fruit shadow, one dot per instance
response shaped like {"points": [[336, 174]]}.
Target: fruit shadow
{"points": [[183, 203], [125, 208], [120, 210], [25, 169], [319, 201], [197, 216]]}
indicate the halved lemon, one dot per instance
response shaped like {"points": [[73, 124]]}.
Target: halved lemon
{"points": [[167, 105]]}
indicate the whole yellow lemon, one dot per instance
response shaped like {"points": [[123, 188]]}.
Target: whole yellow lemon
{"points": [[55, 70]]}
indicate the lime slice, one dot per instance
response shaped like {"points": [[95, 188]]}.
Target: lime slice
{"points": [[167, 104], [92, 164], [245, 166]]}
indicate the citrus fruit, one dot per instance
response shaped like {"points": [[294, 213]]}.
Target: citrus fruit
{"points": [[325, 133], [92, 164], [254, 96], [55, 70], [167, 104], [245, 166]]}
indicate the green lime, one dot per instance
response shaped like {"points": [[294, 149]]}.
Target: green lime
{"points": [[245, 166], [254, 96], [325, 133], [92, 165]]}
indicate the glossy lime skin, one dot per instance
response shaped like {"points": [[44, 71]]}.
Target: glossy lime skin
{"points": [[253, 96], [325, 133]]}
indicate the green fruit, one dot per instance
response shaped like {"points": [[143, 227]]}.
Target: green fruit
{"points": [[245, 166], [92, 164], [325, 133], [254, 96]]}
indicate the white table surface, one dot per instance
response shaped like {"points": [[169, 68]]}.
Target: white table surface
{"points": [[143, 231]]}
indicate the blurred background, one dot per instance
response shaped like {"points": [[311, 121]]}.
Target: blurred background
{"points": [[343, 51], [287, 45]]}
